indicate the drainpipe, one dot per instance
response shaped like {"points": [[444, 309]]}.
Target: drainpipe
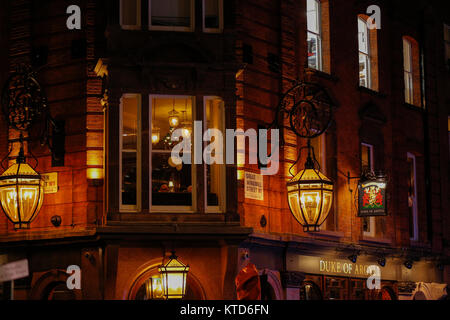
{"points": [[426, 132]]}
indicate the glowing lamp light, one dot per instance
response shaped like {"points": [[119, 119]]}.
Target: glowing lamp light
{"points": [[186, 132], [174, 119], [154, 288], [173, 276], [156, 135], [94, 174], [21, 193], [310, 196]]}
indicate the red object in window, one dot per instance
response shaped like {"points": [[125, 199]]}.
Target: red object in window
{"points": [[248, 286]]}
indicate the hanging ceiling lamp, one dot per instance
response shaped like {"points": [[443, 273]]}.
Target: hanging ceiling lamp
{"points": [[174, 119]]}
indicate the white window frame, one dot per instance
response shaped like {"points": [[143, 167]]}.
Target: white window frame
{"points": [[372, 224], [138, 17], [172, 28], [415, 208], [137, 207], [221, 208], [213, 30], [172, 209], [368, 55], [318, 35], [408, 74]]}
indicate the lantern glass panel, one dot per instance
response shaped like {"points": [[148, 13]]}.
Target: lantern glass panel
{"points": [[21, 194], [310, 197], [173, 276]]}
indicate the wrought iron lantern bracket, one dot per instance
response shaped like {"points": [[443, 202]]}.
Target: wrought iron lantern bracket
{"points": [[24, 103]]}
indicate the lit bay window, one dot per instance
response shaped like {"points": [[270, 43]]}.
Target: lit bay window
{"points": [[130, 150], [171, 15]]}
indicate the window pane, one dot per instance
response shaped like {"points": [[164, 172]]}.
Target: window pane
{"points": [[366, 157], [129, 12], [214, 174], [212, 14], [363, 36], [313, 51], [407, 55], [171, 184], [171, 13], [411, 195], [408, 87], [364, 80], [129, 149], [312, 13]]}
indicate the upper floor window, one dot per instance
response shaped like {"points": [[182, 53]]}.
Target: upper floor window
{"points": [[212, 15], [318, 34], [412, 198], [173, 187], [412, 71], [314, 35], [130, 14], [368, 54], [171, 15], [408, 71]]}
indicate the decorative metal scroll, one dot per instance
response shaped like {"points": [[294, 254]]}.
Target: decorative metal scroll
{"points": [[23, 100], [308, 107]]}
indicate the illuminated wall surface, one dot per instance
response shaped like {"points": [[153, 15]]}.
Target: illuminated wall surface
{"points": [[116, 83]]}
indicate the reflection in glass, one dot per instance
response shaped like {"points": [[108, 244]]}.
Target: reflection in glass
{"points": [[171, 13], [171, 183], [129, 149], [214, 117], [212, 14]]}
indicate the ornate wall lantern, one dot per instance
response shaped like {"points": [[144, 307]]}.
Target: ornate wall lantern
{"points": [[308, 108], [310, 196], [21, 187], [21, 193], [173, 276]]}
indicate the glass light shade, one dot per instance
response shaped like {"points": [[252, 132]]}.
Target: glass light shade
{"points": [[186, 131], [21, 194], [154, 288], [173, 276], [310, 196], [156, 135], [174, 119]]}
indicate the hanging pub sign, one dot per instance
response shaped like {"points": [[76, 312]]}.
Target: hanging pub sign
{"points": [[372, 197]]}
